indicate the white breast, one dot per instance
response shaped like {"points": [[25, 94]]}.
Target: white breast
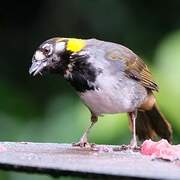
{"points": [[114, 96]]}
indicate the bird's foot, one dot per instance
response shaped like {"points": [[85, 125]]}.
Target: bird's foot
{"points": [[83, 144], [127, 147], [133, 145]]}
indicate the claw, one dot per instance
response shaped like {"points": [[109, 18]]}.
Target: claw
{"points": [[127, 147], [83, 144], [133, 144]]}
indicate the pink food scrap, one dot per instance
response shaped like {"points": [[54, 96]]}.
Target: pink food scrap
{"points": [[161, 149]]}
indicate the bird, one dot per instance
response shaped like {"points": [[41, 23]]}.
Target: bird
{"points": [[109, 78]]}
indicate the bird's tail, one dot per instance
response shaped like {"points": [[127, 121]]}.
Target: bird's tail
{"points": [[152, 123]]}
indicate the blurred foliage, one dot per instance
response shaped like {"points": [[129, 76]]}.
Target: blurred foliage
{"points": [[46, 109]]}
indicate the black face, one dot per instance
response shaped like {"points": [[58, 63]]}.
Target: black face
{"points": [[53, 57], [47, 56]]}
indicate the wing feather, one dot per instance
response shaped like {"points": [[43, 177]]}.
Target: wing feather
{"points": [[135, 68]]}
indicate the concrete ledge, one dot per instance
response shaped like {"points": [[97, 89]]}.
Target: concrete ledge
{"points": [[63, 159]]}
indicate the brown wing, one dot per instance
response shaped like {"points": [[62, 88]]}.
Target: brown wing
{"points": [[135, 67]]}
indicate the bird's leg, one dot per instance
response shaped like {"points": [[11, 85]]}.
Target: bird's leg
{"points": [[133, 143], [84, 139]]}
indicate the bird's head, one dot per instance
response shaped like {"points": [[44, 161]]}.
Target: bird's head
{"points": [[54, 54]]}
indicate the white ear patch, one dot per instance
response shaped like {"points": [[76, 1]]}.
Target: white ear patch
{"points": [[60, 46], [39, 56]]}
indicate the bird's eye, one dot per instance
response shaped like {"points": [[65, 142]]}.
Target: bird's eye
{"points": [[47, 49]]}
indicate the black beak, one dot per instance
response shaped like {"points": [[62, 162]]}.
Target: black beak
{"points": [[37, 67]]}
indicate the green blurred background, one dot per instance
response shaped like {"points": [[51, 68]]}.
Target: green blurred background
{"points": [[46, 109]]}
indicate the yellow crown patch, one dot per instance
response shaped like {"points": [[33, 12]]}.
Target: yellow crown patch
{"points": [[75, 45]]}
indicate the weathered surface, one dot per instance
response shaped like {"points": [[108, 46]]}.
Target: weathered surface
{"points": [[63, 159]]}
